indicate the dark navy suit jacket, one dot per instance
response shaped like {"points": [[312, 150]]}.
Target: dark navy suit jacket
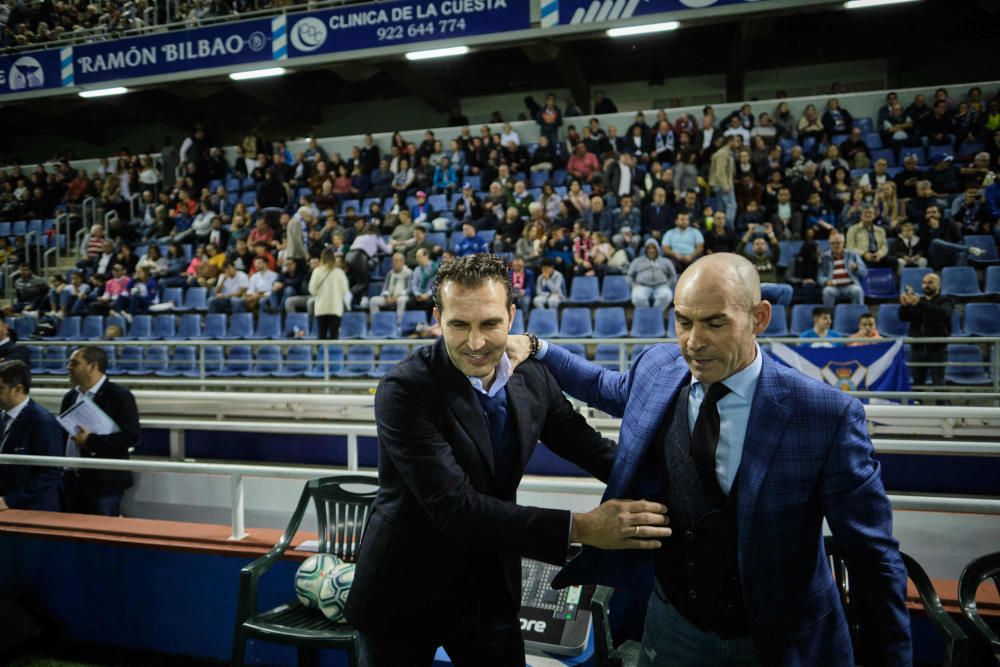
{"points": [[35, 432]]}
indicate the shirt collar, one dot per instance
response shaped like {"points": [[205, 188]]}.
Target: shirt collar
{"points": [[96, 388], [743, 383], [16, 410], [504, 370]]}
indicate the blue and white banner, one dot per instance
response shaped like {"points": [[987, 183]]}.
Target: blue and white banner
{"points": [[228, 44], [598, 11], [25, 72], [360, 27], [873, 367]]}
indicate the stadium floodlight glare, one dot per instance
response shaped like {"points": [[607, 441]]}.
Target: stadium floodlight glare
{"points": [[257, 73], [644, 29], [103, 92], [864, 4], [437, 53]]}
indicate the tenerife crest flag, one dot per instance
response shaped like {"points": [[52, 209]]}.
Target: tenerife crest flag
{"points": [[874, 367]]}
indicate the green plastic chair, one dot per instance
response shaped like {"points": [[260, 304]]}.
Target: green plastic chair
{"points": [[975, 573], [342, 516]]}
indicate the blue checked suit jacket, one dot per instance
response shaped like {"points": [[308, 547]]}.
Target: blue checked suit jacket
{"points": [[807, 456]]}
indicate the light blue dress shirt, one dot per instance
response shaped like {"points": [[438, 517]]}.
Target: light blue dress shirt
{"points": [[499, 382], [734, 415]]}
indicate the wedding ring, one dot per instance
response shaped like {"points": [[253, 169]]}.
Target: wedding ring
{"points": [[637, 531]]}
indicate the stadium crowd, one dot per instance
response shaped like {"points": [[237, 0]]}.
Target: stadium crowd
{"points": [[814, 201]]}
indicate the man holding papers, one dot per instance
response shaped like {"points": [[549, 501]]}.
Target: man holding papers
{"points": [[109, 436], [26, 429]]}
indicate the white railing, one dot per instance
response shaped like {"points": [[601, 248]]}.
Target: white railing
{"points": [[236, 474]]}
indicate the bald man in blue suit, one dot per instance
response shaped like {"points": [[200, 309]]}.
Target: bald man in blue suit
{"points": [[750, 457]]}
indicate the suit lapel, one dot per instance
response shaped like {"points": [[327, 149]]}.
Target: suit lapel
{"points": [[461, 400], [519, 407], [13, 435], [769, 414]]}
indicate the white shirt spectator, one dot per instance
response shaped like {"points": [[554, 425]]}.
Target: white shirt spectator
{"points": [[508, 137], [261, 282], [231, 286], [741, 131]]}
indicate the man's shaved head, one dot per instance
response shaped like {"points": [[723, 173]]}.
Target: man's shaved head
{"points": [[719, 312]]}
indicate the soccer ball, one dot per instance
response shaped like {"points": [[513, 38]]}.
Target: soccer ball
{"points": [[310, 575], [334, 590]]}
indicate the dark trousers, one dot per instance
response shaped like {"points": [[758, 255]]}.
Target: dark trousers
{"points": [[936, 354], [484, 634], [357, 274], [79, 499], [328, 327]]}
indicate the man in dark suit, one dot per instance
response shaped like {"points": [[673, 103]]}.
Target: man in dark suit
{"points": [[9, 349], [94, 491], [27, 429], [440, 561], [751, 457]]}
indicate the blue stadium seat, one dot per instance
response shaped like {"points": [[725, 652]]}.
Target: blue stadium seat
{"points": [[240, 326], [778, 325], [959, 281], [366, 204], [539, 178], [517, 328], [360, 361], [880, 284], [232, 185], [873, 140], [647, 322], [438, 202], [238, 360], [543, 322], [129, 359], [383, 325], [992, 287], [24, 327], [353, 325], [295, 321], [5, 228], [268, 361], [184, 360], [332, 355], [608, 356], [838, 139], [968, 375], [956, 324], [69, 329], [175, 294], [789, 249], [375, 288], [20, 228], [786, 145], [912, 276], [297, 361], [195, 298], [190, 327], [412, 318], [610, 323], [584, 290], [214, 360], [268, 327], [935, 151], [350, 203], [154, 358], [886, 154], [93, 327], [214, 184], [474, 181], [559, 177], [141, 328], [576, 323], [388, 356], [987, 244], [54, 359], [888, 323], [35, 227], [982, 319], [215, 326], [845, 316], [616, 290], [802, 318], [438, 238], [249, 198], [912, 150], [37, 356], [164, 327]]}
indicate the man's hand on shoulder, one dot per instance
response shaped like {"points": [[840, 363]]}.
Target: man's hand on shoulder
{"points": [[622, 524], [518, 349]]}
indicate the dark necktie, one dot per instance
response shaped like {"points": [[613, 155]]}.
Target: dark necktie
{"points": [[5, 421], [495, 411], [872, 243], [705, 438]]}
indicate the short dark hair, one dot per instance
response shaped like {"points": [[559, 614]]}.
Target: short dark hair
{"points": [[16, 372], [473, 271], [820, 311], [866, 316], [94, 355]]}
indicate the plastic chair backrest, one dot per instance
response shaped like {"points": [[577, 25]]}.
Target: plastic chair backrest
{"points": [[576, 323], [647, 322], [93, 326], [982, 319], [543, 322], [196, 298], [802, 318], [959, 281], [215, 325], [164, 326], [268, 326], [142, 327], [383, 325], [610, 322], [175, 294], [973, 575], [190, 326], [353, 325], [615, 289], [888, 322], [241, 325], [69, 328], [778, 325], [584, 290], [845, 316]]}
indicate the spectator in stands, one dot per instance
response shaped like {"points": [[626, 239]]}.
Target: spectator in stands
{"points": [[907, 248], [664, 142], [971, 213], [396, 290], [810, 125], [598, 218], [520, 198], [944, 177], [422, 211], [621, 178], [445, 177], [471, 242], [381, 180], [261, 233], [549, 119], [93, 243], [291, 282], [75, 291], [229, 290], [786, 217], [658, 218], [259, 286], [28, 429], [91, 491], [818, 218], [938, 127], [403, 234], [626, 215], [897, 130], [721, 238], [522, 284], [652, 278], [855, 151], [941, 241], [31, 292], [550, 286], [508, 231], [683, 244], [840, 273], [722, 173], [764, 252], [577, 197], [364, 250], [9, 349], [583, 165], [836, 120], [331, 292], [918, 111], [929, 317], [869, 240], [879, 175], [422, 283], [821, 328], [867, 331]]}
